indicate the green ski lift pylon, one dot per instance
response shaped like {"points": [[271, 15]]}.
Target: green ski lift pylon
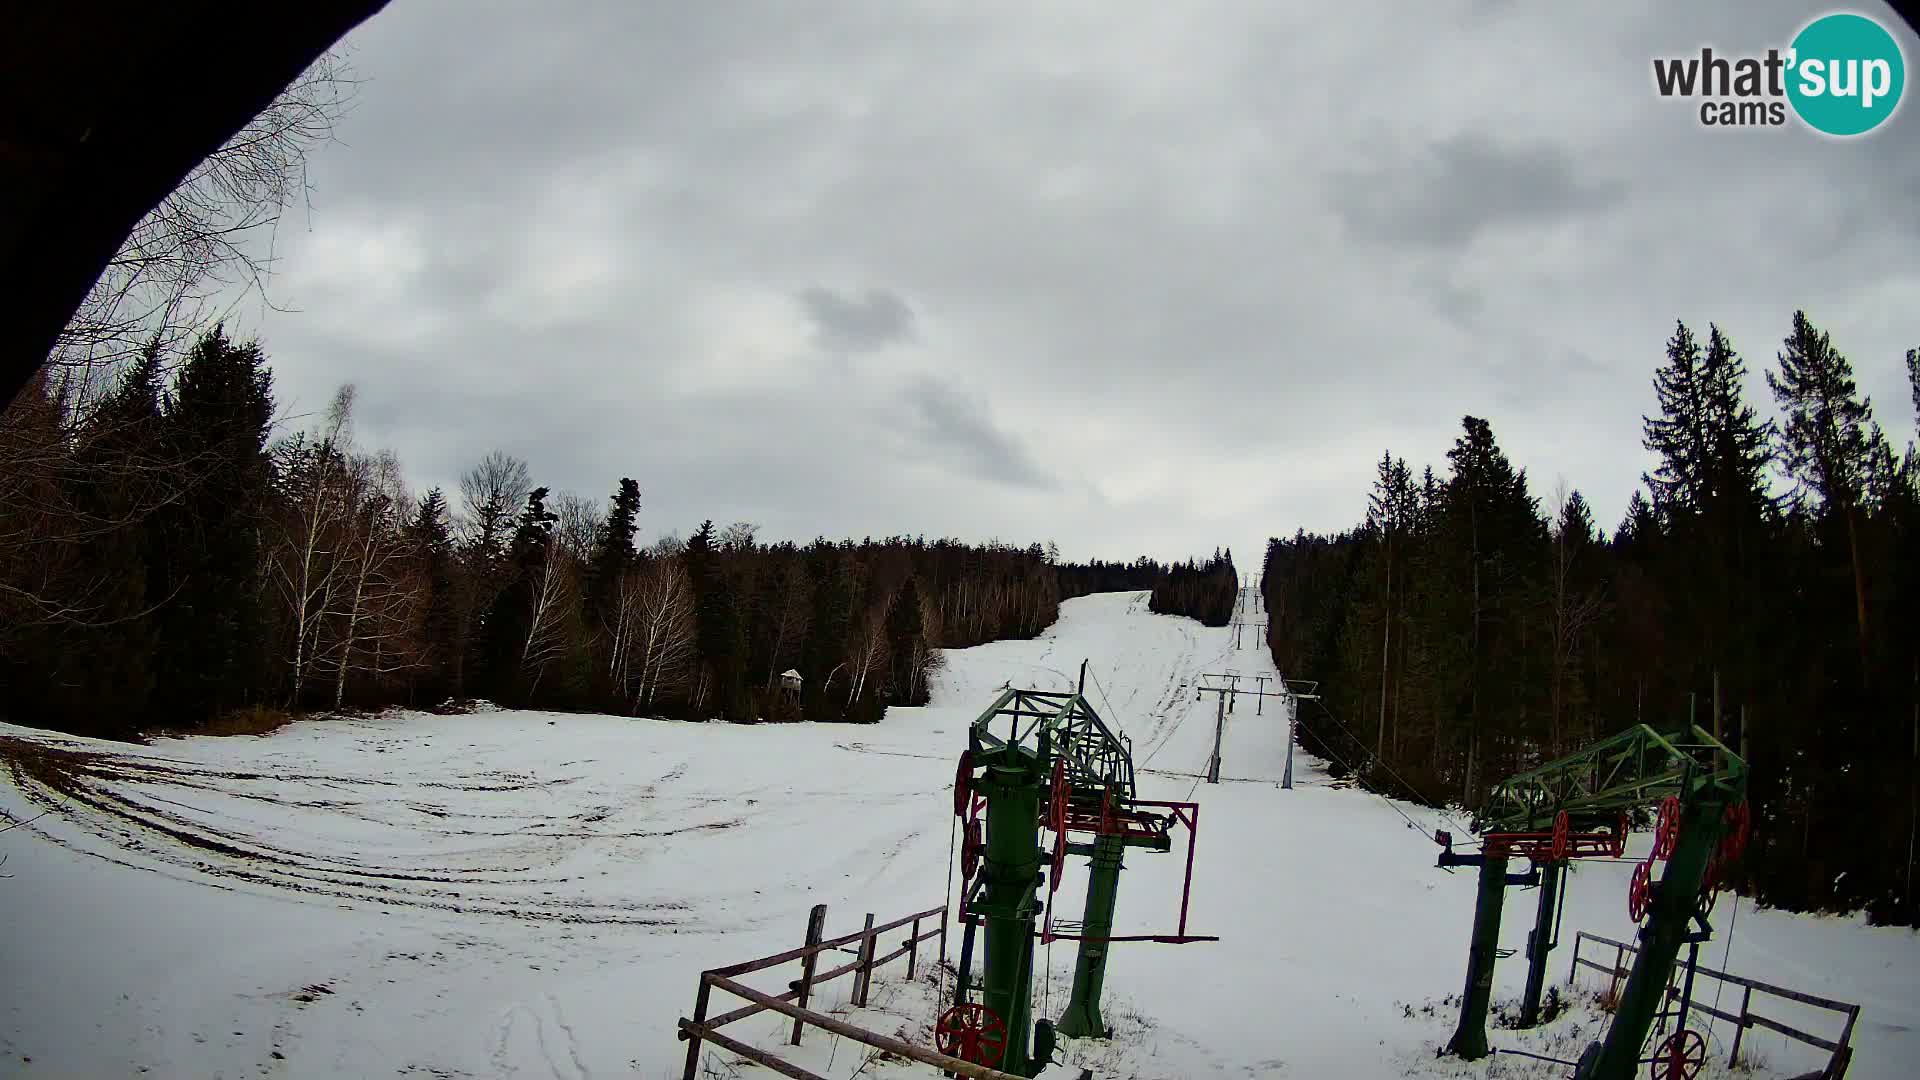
{"points": [[1042, 758], [1574, 807]]}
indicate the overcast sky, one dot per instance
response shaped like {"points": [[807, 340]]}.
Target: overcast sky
{"points": [[1137, 277]]}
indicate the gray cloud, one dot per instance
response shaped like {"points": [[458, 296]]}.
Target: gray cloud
{"points": [[857, 324], [949, 420], [1466, 184], [1148, 280]]}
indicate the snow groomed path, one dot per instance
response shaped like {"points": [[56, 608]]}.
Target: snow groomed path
{"points": [[529, 894]]}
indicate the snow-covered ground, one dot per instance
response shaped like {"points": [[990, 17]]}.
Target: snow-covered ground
{"points": [[528, 894]]}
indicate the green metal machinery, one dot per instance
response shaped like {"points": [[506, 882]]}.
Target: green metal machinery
{"points": [[1043, 761], [1578, 807]]}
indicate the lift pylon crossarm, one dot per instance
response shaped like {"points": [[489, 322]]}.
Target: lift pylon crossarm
{"points": [[1062, 724], [1633, 769]]}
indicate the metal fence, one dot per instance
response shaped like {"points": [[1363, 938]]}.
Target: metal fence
{"points": [[702, 1028], [1839, 1049]]}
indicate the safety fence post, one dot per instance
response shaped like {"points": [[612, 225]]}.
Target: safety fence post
{"points": [[863, 976], [816, 926]]}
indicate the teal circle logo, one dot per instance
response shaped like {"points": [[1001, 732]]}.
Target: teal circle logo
{"points": [[1846, 74]]}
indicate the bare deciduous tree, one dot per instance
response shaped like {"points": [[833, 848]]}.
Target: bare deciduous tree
{"points": [[314, 486], [664, 636], [555, 611], [739, 536], [869, 649], [491, 493], [580, 521], [380, 594], [212, 237]]}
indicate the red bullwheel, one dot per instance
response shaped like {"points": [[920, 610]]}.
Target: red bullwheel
{"points": [[1059, 862], [1057, 803], [1710, 882], [1640, 890], [1680, 1057], [963, 784], [971, 847], [1739, 827], [1619, 846], [971, 1032], [1666, 833], [1562, 836]]}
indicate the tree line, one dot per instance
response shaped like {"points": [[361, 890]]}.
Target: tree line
{"points": [[1463, 632], [1206, 591], [165, 559]]}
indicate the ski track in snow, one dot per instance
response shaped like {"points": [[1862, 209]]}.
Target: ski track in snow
{"points": [[523, 894]]}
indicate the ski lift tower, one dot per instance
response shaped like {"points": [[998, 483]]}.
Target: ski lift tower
{"points": [[1041, 760], [1577, 807]]}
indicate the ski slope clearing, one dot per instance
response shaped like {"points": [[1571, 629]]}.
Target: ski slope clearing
{"points": [[533, 895]]}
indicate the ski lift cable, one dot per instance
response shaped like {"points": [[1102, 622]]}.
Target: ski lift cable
{"points": [[1444, 815], [953, 828], [1733, 920]]}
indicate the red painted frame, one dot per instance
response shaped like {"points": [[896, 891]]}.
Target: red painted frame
{"points": [[1125, 823]]}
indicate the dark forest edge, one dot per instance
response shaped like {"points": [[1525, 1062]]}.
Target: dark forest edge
{"points": [[166, 562], [1460, 634], [1203, 591]]}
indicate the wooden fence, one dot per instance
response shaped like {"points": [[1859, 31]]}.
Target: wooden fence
{"points": [[1840, 1049], [703, 1028]]}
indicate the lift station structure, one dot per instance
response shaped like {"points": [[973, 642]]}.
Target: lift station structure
{"points": [[1578, 807], [1044, 762]]}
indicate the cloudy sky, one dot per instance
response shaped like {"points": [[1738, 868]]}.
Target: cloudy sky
{"points": [[1140, 278]]}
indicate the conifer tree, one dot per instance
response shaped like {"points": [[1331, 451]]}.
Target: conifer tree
{"points": [[719, 636], [510, 622], [212, 631], [121, 482], [1679, 434], [431, 535], [1829, 442], [906, 644], [830, 633], [613, 552]]}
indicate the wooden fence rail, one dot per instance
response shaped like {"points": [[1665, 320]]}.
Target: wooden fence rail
{"points": [[1841, 1049], [703, 1028]]}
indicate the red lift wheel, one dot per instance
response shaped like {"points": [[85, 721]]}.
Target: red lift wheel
{"points": [[1619, 847], [1057, 801], [1739, 827], [1562, 833], [1640, 891], [1666, 834], [1680, 1057], [963, 784], [971, 1032], [1059, 862], [1711, 882], [971, 847]]}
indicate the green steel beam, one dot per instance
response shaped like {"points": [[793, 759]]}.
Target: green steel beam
{"points": [[1541, 941], [1675, 900], [1634, 768], [1014, 787], [1082, 1018], [1470, 1035]]}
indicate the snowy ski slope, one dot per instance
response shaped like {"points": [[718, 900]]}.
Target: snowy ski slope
{"points": [[528, 894]]}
